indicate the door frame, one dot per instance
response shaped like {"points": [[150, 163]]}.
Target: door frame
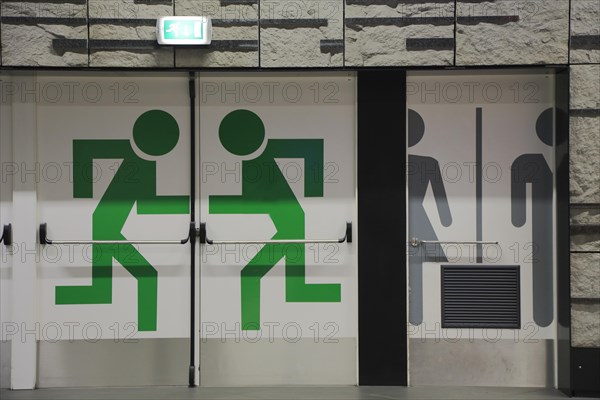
{"points": [[383, 346]]}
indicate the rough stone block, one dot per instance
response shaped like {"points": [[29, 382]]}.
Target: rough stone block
{"points": [[585, 87], [129, 9], [585, 240], [500, 32], [235, 35], [132, 21], [585, 324], [585, 216], [585, 25], [399, 33], [585, 275], [584, 155], [36, 34], [132, 58], [301, 33]]}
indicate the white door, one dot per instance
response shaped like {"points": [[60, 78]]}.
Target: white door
{"points": [[277, 163], [114, 165], [481, 261]]}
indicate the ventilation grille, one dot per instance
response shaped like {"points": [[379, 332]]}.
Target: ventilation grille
{"points": [[481, 296]]}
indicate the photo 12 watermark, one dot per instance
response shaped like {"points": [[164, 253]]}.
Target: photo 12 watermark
{"points": [[271, 331], [267, 92], [69, 331], [69, 92]]}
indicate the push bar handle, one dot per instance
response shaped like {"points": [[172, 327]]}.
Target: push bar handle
{"points": [[415, 242], [6, 237], [205, 240], [43, 233]]}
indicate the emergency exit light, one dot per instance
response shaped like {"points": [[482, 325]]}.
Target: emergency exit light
{"points": [[184, 30]]}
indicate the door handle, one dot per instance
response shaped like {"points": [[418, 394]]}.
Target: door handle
{"points": [[205, 240], [415, 242], [6, 237], [43, 234]]}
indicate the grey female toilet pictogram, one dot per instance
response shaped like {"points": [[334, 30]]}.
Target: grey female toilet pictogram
{"points": [[422, 171]]}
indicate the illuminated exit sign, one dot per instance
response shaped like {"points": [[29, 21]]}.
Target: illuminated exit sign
{"points": [[184, 30]]}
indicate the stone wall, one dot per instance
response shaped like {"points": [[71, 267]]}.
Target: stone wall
{"points": [[353, 33], [302, 33], [584, 153], [122, 22], [585, 196]]}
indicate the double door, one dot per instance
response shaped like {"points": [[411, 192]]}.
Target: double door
{"points": [[118, 291]]}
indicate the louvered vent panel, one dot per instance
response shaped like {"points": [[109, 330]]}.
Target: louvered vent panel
{"points": [[481, 296]]}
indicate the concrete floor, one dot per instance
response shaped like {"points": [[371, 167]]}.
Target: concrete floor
{"points": [[291, 393]]}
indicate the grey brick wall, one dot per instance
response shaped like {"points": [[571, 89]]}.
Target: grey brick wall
{"points": [[353, 33], [303, 33], [512, 32], [126, 21], [585, 172]]}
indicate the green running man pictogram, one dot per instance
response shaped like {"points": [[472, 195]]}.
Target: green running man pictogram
{"points": [[266, 191], [155, 133]]}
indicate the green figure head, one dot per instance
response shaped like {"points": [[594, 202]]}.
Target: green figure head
{"points": [[156, 132], [241, 132]]}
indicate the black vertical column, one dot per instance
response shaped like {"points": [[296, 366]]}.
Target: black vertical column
{"points": [[382, 227], [563, 240]]}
